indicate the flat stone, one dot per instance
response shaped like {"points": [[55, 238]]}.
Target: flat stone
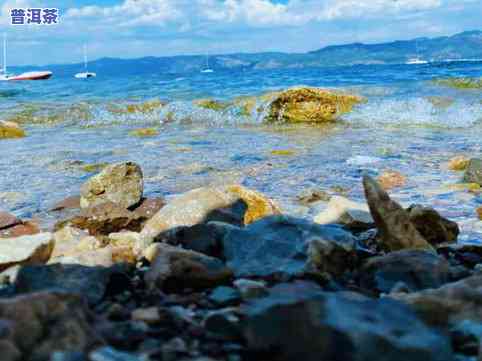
{"points": [[26, 250], [149, 207], [25, 228], [341, 210], [72, 202], [8, 220]]}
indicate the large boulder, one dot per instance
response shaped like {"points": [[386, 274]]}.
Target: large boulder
{"points": [[341, 210], [8, 220], [309, 105], [36, 325], [174, 269], [10, 130], [432, 226], [473, 173], [414, 270], [300, 322], [396, 230], [233, 204], [121, 184], [26, 250], [288, 247]]}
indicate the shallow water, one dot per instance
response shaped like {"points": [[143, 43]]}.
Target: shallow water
{"points": [[408, 124]]}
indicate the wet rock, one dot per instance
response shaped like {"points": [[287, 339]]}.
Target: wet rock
{"points": [[432, 226], [110, 354], [120, 183], [309, 105], [149, 315], [174, 268], [449, 304], [72, 202], [391, 179], [144, 132], [299, 321], [466, 337], [10, 130], [26, 250], [341, 210], [395, 228], [25, 228], [212, 104], [225, 296], [473, 173], [104, 219], [479, 213], [288, 247], [310, 196], [250, 289], [231, 204], [224, 324], [90, 282], [8, 220], [416, 269], [40, 324], [458, 163]]}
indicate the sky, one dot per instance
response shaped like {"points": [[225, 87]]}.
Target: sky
{"points": [[137, 28]]}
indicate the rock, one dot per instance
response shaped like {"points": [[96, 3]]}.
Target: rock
{"points": [[449, 304], [391, 179], [309, 105], [396, 230], [432, 226], [8, 220], [212, 104], [250, 289], [175, 269], [10, 130], [458, 163], [149, 207], [479, 212], [120, 183], [149, 315], [26, 250], [90, 282], [39, 324], [105, 218], [72, 202], [300, 322], [231, 204], [224, 324], [144, 132], [25, 228], [418, 270], [225, 296], [110, 354], [103, 257], [341, 210], [287, 247], [310, 196], [473, 173]]}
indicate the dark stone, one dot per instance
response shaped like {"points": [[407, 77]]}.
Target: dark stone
{"points": [[288, 247], [416, 269], [432, 226], [473, 173], [223, 324], [300, 322], [90, 282]]}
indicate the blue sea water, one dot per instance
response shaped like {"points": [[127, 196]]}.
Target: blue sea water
{"points": [[409, 124]]}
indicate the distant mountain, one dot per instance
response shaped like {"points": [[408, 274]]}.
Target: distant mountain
{"points": [[466, 45]]}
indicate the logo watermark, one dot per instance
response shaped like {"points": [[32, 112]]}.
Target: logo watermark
{"points": [[35, 16]]}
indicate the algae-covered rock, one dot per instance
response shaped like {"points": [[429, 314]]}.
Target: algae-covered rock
{"points": [[310, 105], [479, 213], [212, 104], [391, 179], [144, 108], [10, 130], [460, 83], [458, 163], [473, 173], [120, 183], [283, 152], [144, 132]]}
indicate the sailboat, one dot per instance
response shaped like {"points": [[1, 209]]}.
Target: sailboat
{"points": [[207, 69], [31, 75], [416, 60], [86, 74]]}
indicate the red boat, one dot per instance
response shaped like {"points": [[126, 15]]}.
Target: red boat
{"points": [[31, 75]]}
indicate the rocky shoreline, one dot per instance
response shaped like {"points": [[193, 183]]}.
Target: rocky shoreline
{"points": [[220, 273]]}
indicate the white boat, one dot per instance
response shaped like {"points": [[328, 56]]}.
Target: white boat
{"points": [[416, 61], [86, 74], [31, 75], [207, 69]]}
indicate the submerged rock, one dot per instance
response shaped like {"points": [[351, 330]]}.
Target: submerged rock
{"points": [[36, 325], [26, 250], [288, 247], [479, 212], [341, 210], [121, 184], [396, 230], [144, 132], [458, 163], [417, 270], [391, 179], [232, 204], [212, 104], [310, 105], [309, 196], [299, 321], [432, 226], [10, 130], [174, 268], [473, 173]]}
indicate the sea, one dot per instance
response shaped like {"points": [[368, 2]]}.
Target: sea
{"points": [[409, 123]]}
